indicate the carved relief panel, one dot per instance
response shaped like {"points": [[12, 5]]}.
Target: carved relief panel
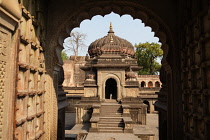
{"points": [[29, 113], [90, 92], [196, 76]]}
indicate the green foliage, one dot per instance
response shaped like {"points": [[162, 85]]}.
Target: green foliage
{"points": [[64, 56], [147, 55]]}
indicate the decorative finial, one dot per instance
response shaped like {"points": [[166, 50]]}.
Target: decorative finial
{"points": [[110, 28]]}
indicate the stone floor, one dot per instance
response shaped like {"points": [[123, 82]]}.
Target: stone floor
{"points": [[70, 119], [152, 123]]}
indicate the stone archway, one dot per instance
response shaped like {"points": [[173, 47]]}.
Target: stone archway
{"points": [[136, 10], [190, 29], [111, 89]]}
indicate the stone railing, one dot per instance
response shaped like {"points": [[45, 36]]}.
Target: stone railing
{"points": [[126, 111], [96, 110], [95, 118], [94, 124], [128, 125]]}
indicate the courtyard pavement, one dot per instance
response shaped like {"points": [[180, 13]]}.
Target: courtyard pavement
{"points": [[152, 122]]}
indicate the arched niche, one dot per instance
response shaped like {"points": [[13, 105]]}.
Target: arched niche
{"points": [[150, 84], [118, 86], [157, 84], [111, 89], [143, 84]]}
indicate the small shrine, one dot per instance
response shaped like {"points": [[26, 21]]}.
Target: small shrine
{"points": [[111, 101]]}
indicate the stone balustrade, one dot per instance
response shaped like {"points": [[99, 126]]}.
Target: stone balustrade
{"points": [[128, 125], [96, 110], [94, 124]]}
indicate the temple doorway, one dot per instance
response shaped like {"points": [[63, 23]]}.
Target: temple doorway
{"points": [[111, 89]]}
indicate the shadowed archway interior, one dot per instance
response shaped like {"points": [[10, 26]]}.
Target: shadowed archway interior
{"points": [[111, 89], [148, 106], [143, 84]]}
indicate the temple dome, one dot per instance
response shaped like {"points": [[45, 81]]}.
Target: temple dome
{"points": [[111, 44]]}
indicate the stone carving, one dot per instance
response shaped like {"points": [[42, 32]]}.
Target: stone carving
{"points": [[2, 92], [3, 43], [90, 92], [131, 92], [94, 125]]}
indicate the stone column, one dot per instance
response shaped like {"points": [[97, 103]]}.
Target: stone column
{"points": [[100, 91], [151, 107]]}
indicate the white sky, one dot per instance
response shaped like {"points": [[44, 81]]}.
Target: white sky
{"points": [[125, 27]]}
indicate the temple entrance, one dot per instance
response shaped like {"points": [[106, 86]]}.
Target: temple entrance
{"points": [[111, 89]]}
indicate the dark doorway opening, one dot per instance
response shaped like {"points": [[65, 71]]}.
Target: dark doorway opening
{"points": [[155, 106], [111, 89], [148, 106], [157, 84], [143, 84]]}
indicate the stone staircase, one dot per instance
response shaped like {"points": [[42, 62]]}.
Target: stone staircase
{"points": [[110, 120], [110, 117]]}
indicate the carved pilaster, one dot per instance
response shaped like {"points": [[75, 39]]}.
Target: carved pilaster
{"points": [[9, 16]]}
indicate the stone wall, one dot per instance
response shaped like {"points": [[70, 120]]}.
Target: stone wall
{"points": [[29, 110], [149, 80], [74, 76]]}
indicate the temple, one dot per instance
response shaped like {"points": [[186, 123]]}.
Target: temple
{"points": [[111, 102]]}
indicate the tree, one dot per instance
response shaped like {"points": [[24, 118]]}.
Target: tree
{"points": [[147, 55], [64, 56], [75, 43]]}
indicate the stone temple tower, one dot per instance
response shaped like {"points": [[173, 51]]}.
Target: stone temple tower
{"points": [[110, 87]]}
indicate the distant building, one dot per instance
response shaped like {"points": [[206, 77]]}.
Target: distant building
{"points": [[74, 84], [148, 86]]}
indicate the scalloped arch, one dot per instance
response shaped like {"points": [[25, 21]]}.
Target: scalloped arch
{"points": [[136, 10]]}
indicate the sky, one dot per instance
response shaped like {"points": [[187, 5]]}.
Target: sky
{"points": [[125, 27]]}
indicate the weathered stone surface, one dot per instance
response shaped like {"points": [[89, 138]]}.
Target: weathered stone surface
{"points": [[181, 26]]}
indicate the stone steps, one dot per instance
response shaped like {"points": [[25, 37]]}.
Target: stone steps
{"points": [[115, 124], [112, 115], [110, 120], [109, 131]]}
